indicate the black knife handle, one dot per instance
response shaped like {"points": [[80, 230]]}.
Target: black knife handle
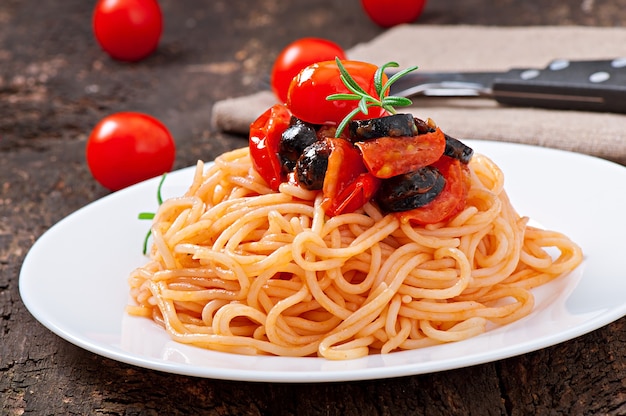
{"points": [[569, 85]]}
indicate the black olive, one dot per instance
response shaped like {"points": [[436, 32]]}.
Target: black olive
{"points": [[422, 126], [396, 125], [293, 141], [410, 190], [458, 150], [312, 164]]}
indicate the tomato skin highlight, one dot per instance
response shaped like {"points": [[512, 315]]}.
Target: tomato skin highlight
{"points": [[264, 143], [298, 55], [391, 156], [128, 147], [450, 201], [387, 13], [128, 30], [308, 91]]}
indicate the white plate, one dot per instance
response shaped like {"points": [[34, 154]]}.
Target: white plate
{"points": [[74, 278]]}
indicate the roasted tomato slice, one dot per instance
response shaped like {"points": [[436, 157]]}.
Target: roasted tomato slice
{"points": [[264, 141], [450, 201], [347, 185], [355, 194], [391, 156]]}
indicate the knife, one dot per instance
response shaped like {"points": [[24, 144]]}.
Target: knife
{"points": [[593, 85]]}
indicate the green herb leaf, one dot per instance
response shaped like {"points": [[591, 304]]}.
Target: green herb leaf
{"points": [[363, 105], [348, 81], [398, 101], [159, 197], [365, 100], [343, 97], [346, 120], [150, 215]]}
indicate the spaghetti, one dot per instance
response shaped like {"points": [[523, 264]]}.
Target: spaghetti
{"points": [[240, 268]]}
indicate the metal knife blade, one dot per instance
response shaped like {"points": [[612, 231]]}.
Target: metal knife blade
{"points": [[594, 85]]}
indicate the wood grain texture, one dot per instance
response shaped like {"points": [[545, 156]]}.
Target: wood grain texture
{"points": [[55, 84]]}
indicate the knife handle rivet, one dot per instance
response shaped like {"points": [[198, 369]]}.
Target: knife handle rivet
{"points": [[618, 63], [529, 74], [559, 64], [599, 76]]}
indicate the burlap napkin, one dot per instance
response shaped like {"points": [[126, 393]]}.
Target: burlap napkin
{"points": [[453, 48]]}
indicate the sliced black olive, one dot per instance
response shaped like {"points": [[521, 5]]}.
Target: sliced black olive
{"points": [[312, 164], [411, 190], [293, 141], [396, 125], [458, 150], [422, 126]]}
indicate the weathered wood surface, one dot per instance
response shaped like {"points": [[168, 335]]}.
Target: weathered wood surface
{"points": [[55, 84]]}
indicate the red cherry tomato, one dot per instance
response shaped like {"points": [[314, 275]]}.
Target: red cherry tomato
{"points": [[309, 89], [264, 142], [127, 148], [354, 195], [347, 184], [391, 13], [390, 156], [128, 30], [450, 201], [298, 55]]}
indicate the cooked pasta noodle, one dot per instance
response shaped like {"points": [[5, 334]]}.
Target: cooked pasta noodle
{"points": [[237, 267]]}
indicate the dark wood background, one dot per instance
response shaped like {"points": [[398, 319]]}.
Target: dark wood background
{"points": [[55, 84]]}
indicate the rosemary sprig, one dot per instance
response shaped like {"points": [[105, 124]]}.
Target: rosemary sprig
{"points": [[366, 100], [150, 215]]}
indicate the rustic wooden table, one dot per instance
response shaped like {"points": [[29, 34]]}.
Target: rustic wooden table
{"points": [[55, 84]]}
